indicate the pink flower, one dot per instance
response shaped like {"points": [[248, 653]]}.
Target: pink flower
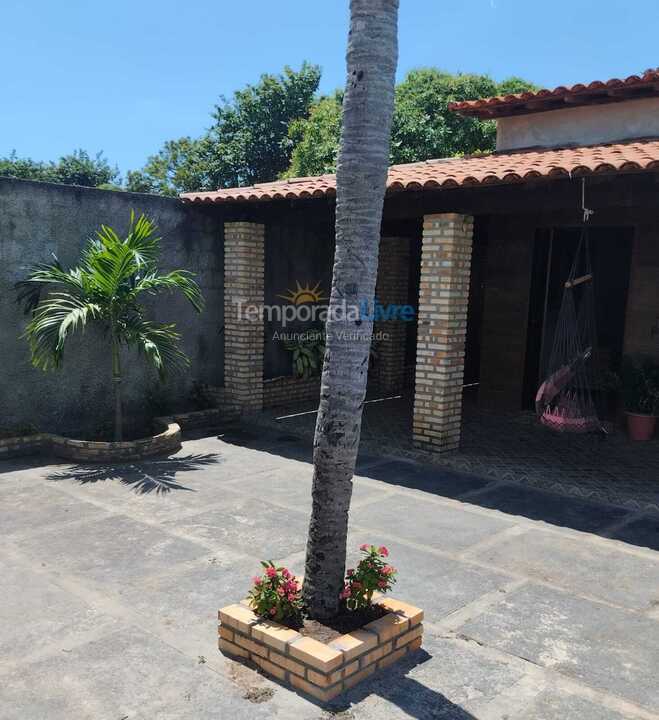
{"points": [[271, 572], [280, 591], [345, 593], [383, 551], [388, 570], [382, 583], [273, 611], [291, 597], [365, 546], [257, 580], [350, 572], [285, 573]]}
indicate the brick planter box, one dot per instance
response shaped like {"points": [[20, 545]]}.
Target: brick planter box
{"points": [[321, 670], [166, 442]]}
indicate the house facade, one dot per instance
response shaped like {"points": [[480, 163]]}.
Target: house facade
{"points": [[480, 247]]}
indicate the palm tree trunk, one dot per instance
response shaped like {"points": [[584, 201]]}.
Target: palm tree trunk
{"points": [[361, 176], [116, 381]]}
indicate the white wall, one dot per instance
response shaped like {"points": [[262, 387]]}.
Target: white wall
{"points": [[586, 125]]}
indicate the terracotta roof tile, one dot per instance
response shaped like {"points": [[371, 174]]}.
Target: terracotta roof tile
{"points": [[596, 91], [504, 167]]}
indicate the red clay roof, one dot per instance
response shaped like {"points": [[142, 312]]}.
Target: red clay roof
{"points": [[598, 91], [505, 167]]}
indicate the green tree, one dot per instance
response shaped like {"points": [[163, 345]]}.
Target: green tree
{"points": [[423, 126], [315, 139], [78, 168], [107, 289], [247, 143], [180, 165]]}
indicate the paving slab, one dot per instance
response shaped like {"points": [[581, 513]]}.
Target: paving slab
{"points": [[36, 613], [25, 509], [448, 680], [428, 523], [549, 507], [292, 486], [110, 550], [248, 525], [187, 600], [610, 649], [582, 566], [429, 479], [555, 704], [437, 584], [128, 674]]}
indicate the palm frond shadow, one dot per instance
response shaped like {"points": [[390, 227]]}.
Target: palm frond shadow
{"points": [[157, 475]]}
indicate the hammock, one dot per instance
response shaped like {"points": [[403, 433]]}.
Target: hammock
{"points": [[564, 401]]}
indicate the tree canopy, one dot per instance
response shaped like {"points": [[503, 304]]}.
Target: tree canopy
{"points": [[78, 168], [248, 142], [423, 126]]}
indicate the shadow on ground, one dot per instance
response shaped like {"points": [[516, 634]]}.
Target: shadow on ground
{"points": [[394, 686], [511, 498], [157, 475]]}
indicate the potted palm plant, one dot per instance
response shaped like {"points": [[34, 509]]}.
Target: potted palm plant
{"points": [[640, 387]]}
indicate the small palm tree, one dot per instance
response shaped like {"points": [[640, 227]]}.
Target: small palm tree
{"points": [[106, 290]]}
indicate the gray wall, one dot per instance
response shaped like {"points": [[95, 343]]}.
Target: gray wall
{"points": [[37, 219]]}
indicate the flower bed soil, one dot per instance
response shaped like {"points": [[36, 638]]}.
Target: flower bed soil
{"points": [[345, 622]]}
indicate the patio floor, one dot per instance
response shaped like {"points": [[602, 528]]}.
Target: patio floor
{"points": [[538, 606], [511, 447]]}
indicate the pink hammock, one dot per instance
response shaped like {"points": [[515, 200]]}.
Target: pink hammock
{"points": [[564, 401]]}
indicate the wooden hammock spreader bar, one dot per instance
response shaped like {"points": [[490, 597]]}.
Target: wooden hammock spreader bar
{"points": [[579, 280]]}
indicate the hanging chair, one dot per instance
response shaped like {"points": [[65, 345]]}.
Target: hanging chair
{"points": [[564, 401]]}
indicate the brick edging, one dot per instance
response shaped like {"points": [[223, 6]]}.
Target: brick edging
{"points": [[321, 670], [166, 442]]}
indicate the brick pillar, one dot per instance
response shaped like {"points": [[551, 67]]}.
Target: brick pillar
{"points": [[391, 288], [243, 318], [442, 329]]}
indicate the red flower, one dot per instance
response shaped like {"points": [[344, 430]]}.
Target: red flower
{"points": [[271, 572], [365, 546], [383, 551]]}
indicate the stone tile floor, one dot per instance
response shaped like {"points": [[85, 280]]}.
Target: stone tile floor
{"points": [[111, 577], [512, 447]]}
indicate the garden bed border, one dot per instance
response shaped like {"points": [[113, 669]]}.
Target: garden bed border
{"points": [[321, 670], [167, 441]]}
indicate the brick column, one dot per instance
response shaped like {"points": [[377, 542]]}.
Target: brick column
{"points": [[243, 319], [391, 288], [442, 329]]}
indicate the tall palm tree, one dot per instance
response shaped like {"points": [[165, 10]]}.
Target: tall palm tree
{"points": [[360, 179], [106, 289]]}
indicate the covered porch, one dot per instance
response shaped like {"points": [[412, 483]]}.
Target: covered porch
{"points": [[480, 247]]}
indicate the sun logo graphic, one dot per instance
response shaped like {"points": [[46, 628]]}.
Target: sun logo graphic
{"points": [[304, 294]]}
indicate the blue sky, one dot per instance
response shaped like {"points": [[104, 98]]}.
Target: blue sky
{"points": [[123, 76]]}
